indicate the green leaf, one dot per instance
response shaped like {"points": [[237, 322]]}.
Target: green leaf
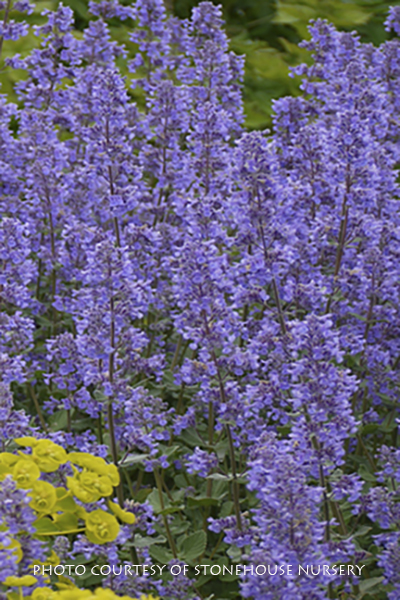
{"points": [[369, 428], [389, 424], [168, 510], [142, 495], [146, 541], [191, 438], [366, 586], [201, 501], [170, 450], [58, 420], [65, 504], [160, 554], [387, 400], [66, 522], [65, 501], [343, 15], [362, 531], [293, 13], [134, 459], [154, 500], [365, 474], [44, 526], [357, 316], [193, 545], [219, 477], [226, 509]]}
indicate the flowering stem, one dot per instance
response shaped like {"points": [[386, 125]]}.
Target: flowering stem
{"points": [[367, 454], [110, 412], [180, 400], [317, 447], [342, 238], [176, 353], [5, 19], [338, 514], [40, 269], [274, 284], [235, 484], [368, 322], [217, 545], [326, 503], [114, 451], [210, 441], [37, 406], [165, 519], [53, 256], [111, 182], [100, 428]]}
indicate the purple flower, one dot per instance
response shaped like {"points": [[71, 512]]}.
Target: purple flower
{"points": [[201, 462]]}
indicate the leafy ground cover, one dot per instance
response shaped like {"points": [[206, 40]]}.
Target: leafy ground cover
{"points": [[199, 350]]}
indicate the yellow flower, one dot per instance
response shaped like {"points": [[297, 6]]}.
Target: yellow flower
{"points": [[88, 486], [15, 548], [88, 461], [73, 593], [48, 455], [101, 527], [43, 496], [104, 594], [81, 513], [123, 515], [101, 483], [113, 474], [25, 472], [96, 464], [4, 471], [26, 580], [43, 593], [6, 458], [85, 494], [53, 559], [27, 441]]}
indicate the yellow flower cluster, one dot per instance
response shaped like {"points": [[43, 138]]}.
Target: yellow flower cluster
{"points": [[70, 592], [96, 479], [57, 511]]}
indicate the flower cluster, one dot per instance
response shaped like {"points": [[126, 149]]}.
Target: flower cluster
{"points": [[199, 325]]}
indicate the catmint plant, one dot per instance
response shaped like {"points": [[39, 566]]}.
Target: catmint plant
{"points": [[203, 319]]}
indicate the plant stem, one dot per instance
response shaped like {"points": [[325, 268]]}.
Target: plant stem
{"points": [[37, 406], [165, 519], [235, 484]]}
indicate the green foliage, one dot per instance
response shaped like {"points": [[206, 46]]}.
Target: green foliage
{"points": [[266, 32]]}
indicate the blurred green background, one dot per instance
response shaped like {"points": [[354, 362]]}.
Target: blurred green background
{"points": [[267, 32]]}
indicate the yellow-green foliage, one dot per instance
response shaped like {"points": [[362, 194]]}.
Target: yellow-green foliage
{"points": [[70, 592], [57, 511]]}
